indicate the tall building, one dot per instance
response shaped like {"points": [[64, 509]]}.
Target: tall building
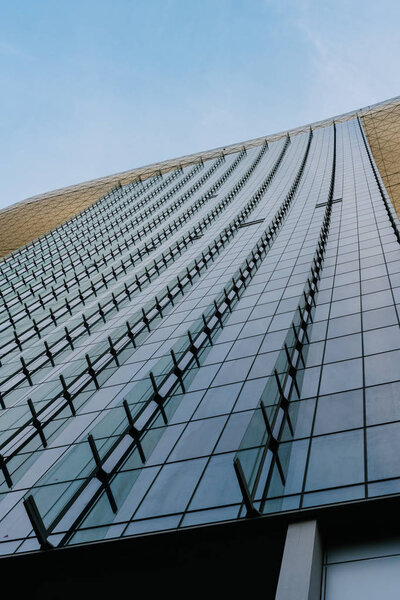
{"points": [[200, 372]]}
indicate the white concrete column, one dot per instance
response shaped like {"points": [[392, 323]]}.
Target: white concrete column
{"points": [[301, 567]]}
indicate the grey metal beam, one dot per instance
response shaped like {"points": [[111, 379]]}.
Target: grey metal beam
{"points": [[301, 567]]}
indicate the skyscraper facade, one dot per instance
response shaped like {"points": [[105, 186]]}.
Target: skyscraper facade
{"points": [[207, 357]]}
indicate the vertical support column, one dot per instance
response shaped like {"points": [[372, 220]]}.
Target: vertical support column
{"points": [[301, 568]]}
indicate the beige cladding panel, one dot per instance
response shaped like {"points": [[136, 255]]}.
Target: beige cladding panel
{"points": [[382, 128], [26, 221]]}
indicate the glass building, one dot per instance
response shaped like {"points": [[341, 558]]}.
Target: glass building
{"points": [[200, 371]]}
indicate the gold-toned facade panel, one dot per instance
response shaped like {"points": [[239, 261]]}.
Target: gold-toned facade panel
{"points": [[24, 222], [382, 128]]}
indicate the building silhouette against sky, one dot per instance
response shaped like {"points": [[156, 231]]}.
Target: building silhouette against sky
{"points": [[200, 370]]}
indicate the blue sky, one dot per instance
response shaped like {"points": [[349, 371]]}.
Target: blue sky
{"points": [[92, 87]]}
